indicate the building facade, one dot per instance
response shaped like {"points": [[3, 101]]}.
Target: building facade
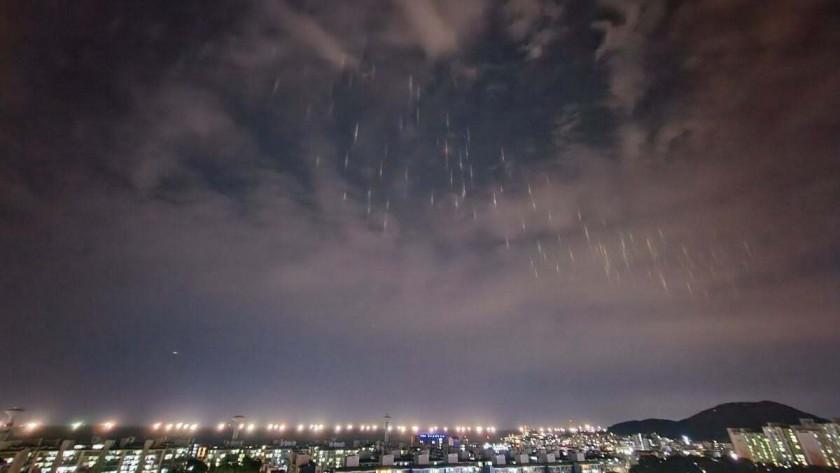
{"points": [[806, 444]]}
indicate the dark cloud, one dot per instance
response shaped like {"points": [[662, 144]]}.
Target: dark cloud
{"points": [[461, 210]]}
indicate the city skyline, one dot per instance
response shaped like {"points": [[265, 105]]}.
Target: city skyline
{"points": [[492, 211], [31, 422], [769, 445]]}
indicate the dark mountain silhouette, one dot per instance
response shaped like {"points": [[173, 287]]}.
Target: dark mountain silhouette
{"points": [[711, 424]]}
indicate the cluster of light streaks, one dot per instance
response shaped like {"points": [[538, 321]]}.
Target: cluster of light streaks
{"points": [[429, 169]]}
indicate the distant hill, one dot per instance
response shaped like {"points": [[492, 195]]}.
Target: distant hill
{"points": [[711, 424]]}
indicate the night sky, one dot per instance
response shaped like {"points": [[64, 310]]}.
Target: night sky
{"points": [[473, 210]]}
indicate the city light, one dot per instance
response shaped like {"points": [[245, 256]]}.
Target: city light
{"points": [[480, 429], [578, 439], [343, 428], [31, 426]]}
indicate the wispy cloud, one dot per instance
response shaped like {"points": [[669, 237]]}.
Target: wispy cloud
{"points": [[310, 33]]}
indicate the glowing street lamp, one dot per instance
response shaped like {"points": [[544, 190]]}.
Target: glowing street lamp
{"points": [[31, 426]]}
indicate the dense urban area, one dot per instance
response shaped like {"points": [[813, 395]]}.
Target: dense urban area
{"points": [[241, 446]]}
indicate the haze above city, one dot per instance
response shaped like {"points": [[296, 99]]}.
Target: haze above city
{"points": [[471, 211]]}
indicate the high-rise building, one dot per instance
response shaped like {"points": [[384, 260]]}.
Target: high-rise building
{"points": [[784, 445], [237, 425], [809, 443], [820, 443], [753, 446]]}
